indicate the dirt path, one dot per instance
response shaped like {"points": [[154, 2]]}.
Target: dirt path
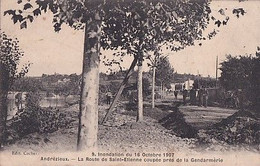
{"points": [[202, 118]]}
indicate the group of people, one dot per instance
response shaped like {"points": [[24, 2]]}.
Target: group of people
{"points": [[203, 95], [197, 97], [234, 99]]}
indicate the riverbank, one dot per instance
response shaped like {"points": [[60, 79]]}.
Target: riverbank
{"points": [[163, 129], [120, 132]]}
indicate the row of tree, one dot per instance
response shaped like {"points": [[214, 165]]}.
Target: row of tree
{"points": [[138, 27]]}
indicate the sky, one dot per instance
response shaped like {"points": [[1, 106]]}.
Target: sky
{"points": [[51, 52]]}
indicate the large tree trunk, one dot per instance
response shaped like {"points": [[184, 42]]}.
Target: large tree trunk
{"points": [[140, 116], [161, 91], [153, 88], [88, 115], [120, 90], [4, 85]]}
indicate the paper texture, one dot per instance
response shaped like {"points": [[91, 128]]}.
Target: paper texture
{"points": [[174, 133]]}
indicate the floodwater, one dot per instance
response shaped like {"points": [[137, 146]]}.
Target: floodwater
{"points": [[58, 101]]}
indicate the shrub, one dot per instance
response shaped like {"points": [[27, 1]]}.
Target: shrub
{"points": [[36, 119]]}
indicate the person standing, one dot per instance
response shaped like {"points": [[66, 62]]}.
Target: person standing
{"points": [[175, 94], [185, 94], [205, 97], [18, 101], [193, 96], [109, 96], [200, 96]]}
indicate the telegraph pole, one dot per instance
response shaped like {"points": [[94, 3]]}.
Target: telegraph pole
{"points": [[216, 71]]}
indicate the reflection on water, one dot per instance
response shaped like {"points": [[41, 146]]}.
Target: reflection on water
{"points": [[45, 102], [53, 102], [12, 109]]}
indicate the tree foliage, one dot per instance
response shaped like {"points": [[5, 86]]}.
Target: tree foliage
{"points": [[140, 26], [129, 24], [63, 84], [236, 72], [164, 72], [126, 23], [10, 55], [242, 72]]}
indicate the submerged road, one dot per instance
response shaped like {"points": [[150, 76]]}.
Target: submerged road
{"points": [[201, 117]]}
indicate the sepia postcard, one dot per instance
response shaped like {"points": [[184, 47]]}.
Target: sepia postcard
{"points": [[129, 82]]}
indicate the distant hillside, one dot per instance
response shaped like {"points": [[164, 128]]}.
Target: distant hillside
{"points": [[57, 83]]}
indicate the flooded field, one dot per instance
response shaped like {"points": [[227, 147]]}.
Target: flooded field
{"points": [[56, 101]]}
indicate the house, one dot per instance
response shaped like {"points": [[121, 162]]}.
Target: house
{"points": [[181, 85]]}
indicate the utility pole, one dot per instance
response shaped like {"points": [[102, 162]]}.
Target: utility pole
{"points": [[198, 78], [216, 71]]}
